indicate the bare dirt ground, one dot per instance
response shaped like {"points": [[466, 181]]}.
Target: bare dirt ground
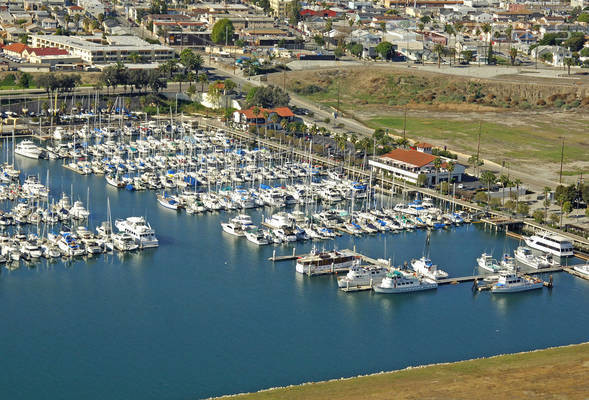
{"points": [[558, 373]]}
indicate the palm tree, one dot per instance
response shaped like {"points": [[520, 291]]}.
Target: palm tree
{"points": [[256, 111], [488, 178], [517, 182], [134, 57], [266, 115], [274, 120], [568, 62], [202, 78], [450, 168], [86, 23], [512, 55], [439, 49], [77, 18], [504, 179], [437, 165], [191, 90], [547, 191], [487, 28]]}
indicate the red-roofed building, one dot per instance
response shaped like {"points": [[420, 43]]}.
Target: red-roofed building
{"points": [[248, 118], [321, 13], [44, 51], [73, 10], [409, 164], [15, 49]]}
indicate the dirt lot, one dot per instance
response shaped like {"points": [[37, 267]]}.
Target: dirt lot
{"points": [[558, 373]]}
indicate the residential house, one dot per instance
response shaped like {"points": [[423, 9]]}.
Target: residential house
{"points": [[247, 118], [555, 54], [48, 23]]}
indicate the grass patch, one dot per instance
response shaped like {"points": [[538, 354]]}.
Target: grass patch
{"points": [[502, 141], [552, 373]]}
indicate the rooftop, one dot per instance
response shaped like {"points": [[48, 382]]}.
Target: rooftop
{"points": [[411, 157]]}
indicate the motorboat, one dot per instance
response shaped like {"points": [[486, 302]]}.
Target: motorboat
{"points": [[402, 282], [28, 149], [524, 255], [168, 201], [487, 262], [425, 267], [511, 283], [550, 243], [582, 269], [325, 262], [362, 276], [140, 230], [124, 242], [257, 236]]}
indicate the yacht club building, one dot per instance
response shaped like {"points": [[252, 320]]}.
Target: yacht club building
{"points": [[409, 164]]}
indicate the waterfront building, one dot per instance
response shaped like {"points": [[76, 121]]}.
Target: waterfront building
{"points": [[409, 164]]}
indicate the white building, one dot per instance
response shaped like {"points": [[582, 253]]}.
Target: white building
{"points": [[92, 50], [409, 164]]}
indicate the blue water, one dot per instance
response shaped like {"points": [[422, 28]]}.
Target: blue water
{"points": [[206, 314]]}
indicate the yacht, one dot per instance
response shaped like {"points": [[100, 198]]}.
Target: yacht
{"points": [[511, 283], [507, 262], [550, 243], [425, 267], [400, 282], [258, 237], [362, 276], [138, 229], [69, 246], [524, 255], [486, 261], [233, 228], [324, 262], [582, 269], [26, 148], [78, 211], [279, 220], [124, 242]]}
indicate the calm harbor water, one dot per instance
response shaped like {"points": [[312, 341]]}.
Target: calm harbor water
{"points": [[206, 314]]}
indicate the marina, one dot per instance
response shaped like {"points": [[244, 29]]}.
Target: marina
{"points": [[149, 288]]}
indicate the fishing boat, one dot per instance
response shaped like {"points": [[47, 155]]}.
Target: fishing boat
{"points": [[487, 262], [512, 283], [400, 282]]}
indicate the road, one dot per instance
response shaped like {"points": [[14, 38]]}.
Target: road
{"points": [[320, 114], [534, 182]]}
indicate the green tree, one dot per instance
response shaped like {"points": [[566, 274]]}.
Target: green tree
{"points": [[568, 62], [538, 216], [426, 19], [134, 57], [421, 180], [223, 31], [356, 49], [523, 209], [554, 218], [567, 208], [467, 56], [385, 50], [504, 180], [293, 12], [450, 165]]}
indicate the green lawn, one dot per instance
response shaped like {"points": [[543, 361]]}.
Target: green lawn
{"points": [[552, 373], [498, 141]]}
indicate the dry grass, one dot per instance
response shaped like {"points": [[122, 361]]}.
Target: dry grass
{"points": [[558, 373]]}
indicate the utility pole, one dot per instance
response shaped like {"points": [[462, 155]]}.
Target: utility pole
{"points": [[561, 160], [405, 123], [479, 147]]}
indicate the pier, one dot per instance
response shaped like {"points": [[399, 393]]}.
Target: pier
{"points": [[497, 219]]}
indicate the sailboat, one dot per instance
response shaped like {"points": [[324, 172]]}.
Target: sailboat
{"points": [[424, 265]]}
